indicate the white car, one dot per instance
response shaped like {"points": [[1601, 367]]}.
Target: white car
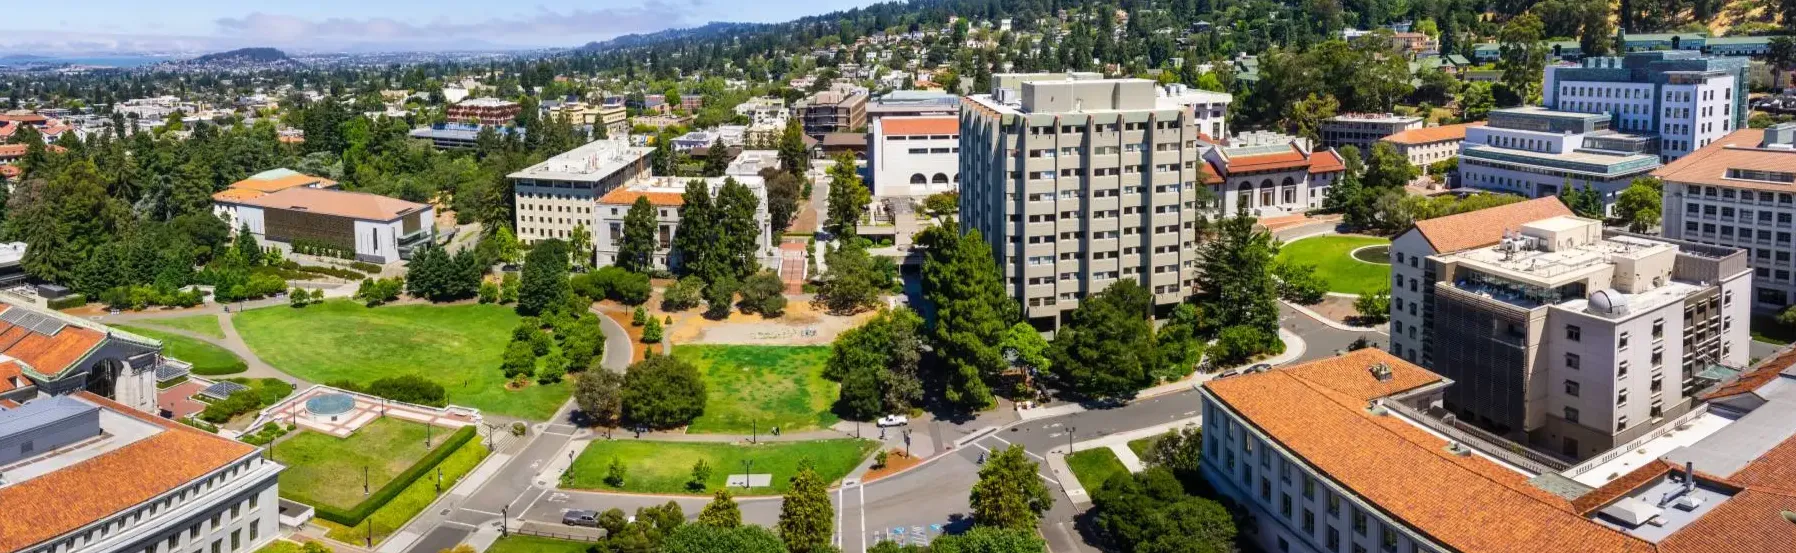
{"points": [[893, 420]]}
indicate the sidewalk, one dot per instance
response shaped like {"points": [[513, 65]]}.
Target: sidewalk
{"points": [[1337, 325]]}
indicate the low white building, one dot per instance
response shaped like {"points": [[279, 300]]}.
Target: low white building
{"points": [[666, 194], [914, 156], [1268, 175], [1429, 145], [1535, 152], [301, 208], [83, 474]]}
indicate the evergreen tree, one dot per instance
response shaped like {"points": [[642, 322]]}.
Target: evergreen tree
{"points": [[973, 312], [807, 520], [737, 232], [1387, 169], [793, 155], [1107, 349], [545, 283], [246, 247], [696, 240], [1009, 495], [850, 285], [1522, 56], [662, 161], [721, 512], [848, 198], [1237, 282], [717, 158], [637, 252]]}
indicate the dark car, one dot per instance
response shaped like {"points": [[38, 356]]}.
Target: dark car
{"points": [[580, 517]]}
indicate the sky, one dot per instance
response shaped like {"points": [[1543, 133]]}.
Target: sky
{"points": [[98, 26]]}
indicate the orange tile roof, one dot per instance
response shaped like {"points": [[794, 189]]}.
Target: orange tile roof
{"points": [[1758, 375], [1267, 162], [1738, 150], [342, 203], [236, 194], [625, 196], [1775, 469], [59, 502], [9, 371], [283, 183], [1427, 135], [918, 126], [47, 355], [1327, 161], [1318, 412], [1485, 226], [1615, 489], [12, 150], [1209, 172]]}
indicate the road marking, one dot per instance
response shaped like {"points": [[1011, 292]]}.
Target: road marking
{"points": [[461, 524], [1045, 477], [863, 507], [981, 448], [487, 513], [836, 540], [995, 437], [1032, 454], [539, 497]]}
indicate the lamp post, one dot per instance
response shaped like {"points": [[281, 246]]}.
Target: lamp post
{"points": [[1069, 439], [364, 480], [427, 436], [504, 527], [754, 432], [439, 479], [746, 465]]}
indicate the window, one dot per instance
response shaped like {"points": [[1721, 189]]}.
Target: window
{"points": [[1659, 328], [1571, 388], [255, 530], [1389, 538], [1309, 522], [1265, 489], [1623, 341], [1621, 424], [1621, 399], [1332, 539], [1284, 505], [1571, 414], [1309, 487], [1571, 360], [217, 546], [1334, 505], [236, 540], [1359, 522], [1573, 333]]}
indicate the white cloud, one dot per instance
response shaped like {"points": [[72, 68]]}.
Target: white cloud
{"points": [[542, 27]]}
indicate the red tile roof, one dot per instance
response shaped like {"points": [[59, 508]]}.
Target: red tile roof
{"points": [[1267, 162], [919, 126], [1758, 375], [1748, 522], [1737, 150], [1327, 161], [47, 355], [1209, 172], [1427, 135], [59, 502], [625, 196], [1485, 227], [1318, 412]]}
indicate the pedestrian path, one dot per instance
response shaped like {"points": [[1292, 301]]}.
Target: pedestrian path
{"points": [[1118, 443]]}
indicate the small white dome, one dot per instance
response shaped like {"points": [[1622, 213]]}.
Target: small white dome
{"points": [[1608, 302]]}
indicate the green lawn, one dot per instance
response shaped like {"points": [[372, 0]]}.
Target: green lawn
{"points": [[416, 497], [1765, 328], [207, 359], [457, 346], [280, 546], [1142, 446], [665, 467], [519, 543], [326, 470], [1095, 466], [1343, 273], [758, 387], [206, 325]]}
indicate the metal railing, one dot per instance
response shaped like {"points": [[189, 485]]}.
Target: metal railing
{"points": [[555, 535], [1618, 451], [1483, 442]]}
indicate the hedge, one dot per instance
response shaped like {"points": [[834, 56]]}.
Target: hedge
{"points": [[338, 272], [365, 267], [386, 493], [68, 302]]}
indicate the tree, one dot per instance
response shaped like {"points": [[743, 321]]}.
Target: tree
{"points": [[1376, 306], [695, 242], [877, 364], [1387, 169], [1009, 495], [782, 197], [615, 473], [1639, 205], [794, 156], [701, 475], [508, 288], [717, 158], [662, 161], [663, 392], [764, 293], [738, 234], [973, 312], [720, 297], [1107, 347], [806, 518], [983, 539], [721, 512], [683, 294], [1237, 283], [848, 198], [637, 251], [706, 538], [1298, 283], [1584, 201], [850, 285], [519, 361], [599, 393], [1150, 511], [1522, 56], [580, 247], [1781, 52], [246, 247], [1304, 117], [651, 333], [545, 285], [505, 245]]}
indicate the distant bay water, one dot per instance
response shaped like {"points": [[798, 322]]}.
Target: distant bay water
{"points": [[123, 61]]}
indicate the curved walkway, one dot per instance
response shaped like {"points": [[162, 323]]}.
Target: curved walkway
{"points": [[233, 343], [616, 340]]}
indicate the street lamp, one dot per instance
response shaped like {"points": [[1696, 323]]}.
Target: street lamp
{"points": [[503, 515], [1069, 439], [439, 479], [746, 465], [364, 480]]}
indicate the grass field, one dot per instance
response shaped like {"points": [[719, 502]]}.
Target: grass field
{"points": [[1095, 466], [326, 470], [519, 543], [206, 325], [207, 359], [416, 497], [456, 346], [1343, 273], [665, 467], [758, 387], [1142, 446]]}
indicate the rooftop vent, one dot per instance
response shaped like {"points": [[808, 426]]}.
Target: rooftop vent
{"points": [[1381, 371], [1376, 408]]}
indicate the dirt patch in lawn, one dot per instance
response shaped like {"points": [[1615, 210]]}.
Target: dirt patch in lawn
{"points": [[639, 350]]}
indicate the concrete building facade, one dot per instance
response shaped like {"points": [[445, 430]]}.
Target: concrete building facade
{"points": [[1362, 130], [914, 156], [1430, 145], [832, 111], [1740, 192], [1683, 98], [560, 193], [1078, 183], [1535, 153], [1561, 335], [484, 111]]}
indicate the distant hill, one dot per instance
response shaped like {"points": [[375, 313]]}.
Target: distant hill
{"points": [[243, 55], [714, 29]]}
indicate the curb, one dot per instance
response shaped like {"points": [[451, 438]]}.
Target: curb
{"points": [[1337, 325]]}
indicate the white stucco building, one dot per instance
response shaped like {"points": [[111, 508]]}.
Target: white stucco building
{"points": [[1535, 152], [1686, 99], [914, 156], [1740, 191]]}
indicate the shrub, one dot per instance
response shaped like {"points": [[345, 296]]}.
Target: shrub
{"points": [[240, 402], [614, 474], [683, 295], [268, 434], [410, 388], [519, 428], [508, 288], [764, 293], [942, 203], [879, 459], [639, 317], [200, 424], [365, 267], [652, 333], [399, 483], [68, 302], [1376, 306], [1237, 344], [338, 272], [663, 392], [489, 292]]}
